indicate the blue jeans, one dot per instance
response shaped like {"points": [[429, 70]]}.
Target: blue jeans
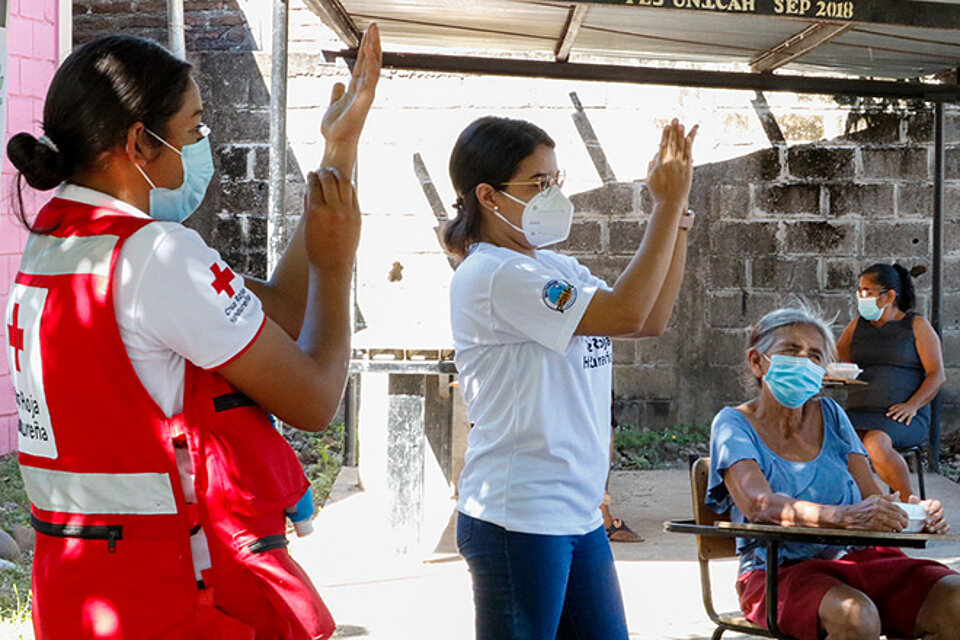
{"points": [[540, 587]]}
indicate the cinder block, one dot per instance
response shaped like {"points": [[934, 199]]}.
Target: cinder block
{"points": [[896, 163], [899, 239], [727, 346], [617, 199], [874, 128], [820, 162], [842, 275], [726, 272], [584, 238], [625, 235], [731, 201], [649, 382], [744, 238], [788, 199], [920, 126], [660, 350], [915, 199], [871, 200], [786, 274], [951, 168], [739, 310], [821, 237]]}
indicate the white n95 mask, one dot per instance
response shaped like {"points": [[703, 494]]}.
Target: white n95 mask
{"points": [[546, 218]]}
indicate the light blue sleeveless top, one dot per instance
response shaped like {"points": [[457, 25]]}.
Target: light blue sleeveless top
{"points": [[824, 480]]}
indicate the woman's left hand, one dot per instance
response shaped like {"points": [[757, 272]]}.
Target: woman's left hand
{"points": [[936, 520], [902, 412], [344, 118]]}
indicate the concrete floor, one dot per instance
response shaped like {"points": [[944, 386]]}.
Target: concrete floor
{"points": [[376, 594]]}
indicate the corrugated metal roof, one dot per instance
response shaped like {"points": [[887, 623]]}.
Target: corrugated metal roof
{"points": [[890, 39]]}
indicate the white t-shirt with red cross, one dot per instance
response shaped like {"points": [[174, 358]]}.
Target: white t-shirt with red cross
{"points": [[175, 300]]}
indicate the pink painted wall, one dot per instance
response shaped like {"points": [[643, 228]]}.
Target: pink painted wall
{"points": [[33, 50]]}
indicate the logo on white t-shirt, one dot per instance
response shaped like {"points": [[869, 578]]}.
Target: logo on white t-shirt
{"points": [[559, 295], [222, 279]]}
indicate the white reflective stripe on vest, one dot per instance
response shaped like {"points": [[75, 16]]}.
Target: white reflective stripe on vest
{"points": [[97, 493], [46, 255]]}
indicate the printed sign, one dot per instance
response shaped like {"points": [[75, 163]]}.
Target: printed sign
{"points": [[24, 310], [893, 12]]}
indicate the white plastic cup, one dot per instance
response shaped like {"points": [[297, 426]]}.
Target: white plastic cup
{"points": [[917, 515]]}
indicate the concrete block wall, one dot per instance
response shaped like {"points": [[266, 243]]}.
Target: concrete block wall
{"points": [[32, 50], [850, 185]]}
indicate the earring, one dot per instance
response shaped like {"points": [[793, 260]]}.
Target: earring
{"points": [[496, 208]]}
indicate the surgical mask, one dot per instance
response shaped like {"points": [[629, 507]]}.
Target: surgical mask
{"points": [[176, 205], [868, 308], [793, 380], [546, 217]]}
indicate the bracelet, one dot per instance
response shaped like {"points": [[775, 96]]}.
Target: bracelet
{"points": [[686, 220]]}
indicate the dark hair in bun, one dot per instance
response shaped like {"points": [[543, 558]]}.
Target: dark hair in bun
{"points": [[896, 277], [102, 89]]}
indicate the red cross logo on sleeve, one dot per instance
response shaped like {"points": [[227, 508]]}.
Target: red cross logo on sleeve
{"points": [[15, 336], [222, 279]]}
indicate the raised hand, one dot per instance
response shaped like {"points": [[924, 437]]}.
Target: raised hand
{"points": [[332, 225], [343, 121], [670, 173]]}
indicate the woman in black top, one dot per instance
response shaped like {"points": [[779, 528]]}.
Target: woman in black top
{"points": [[901, 359]]}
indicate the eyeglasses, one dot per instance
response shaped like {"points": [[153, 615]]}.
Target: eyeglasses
{"points": [[541, 182], [871, 293]]}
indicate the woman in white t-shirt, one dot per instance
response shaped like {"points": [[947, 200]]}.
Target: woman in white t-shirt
{"points": [[532, 331]]}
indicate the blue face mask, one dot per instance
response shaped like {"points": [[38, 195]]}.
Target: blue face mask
{"points": [[868, 308], [176, 205], [793, 380]]}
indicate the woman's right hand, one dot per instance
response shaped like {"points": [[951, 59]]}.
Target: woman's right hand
{"points": [[332, 225], [670, 173], [876, 513]]}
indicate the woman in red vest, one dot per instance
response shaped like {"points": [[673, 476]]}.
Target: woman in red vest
{"points": [[143, 364]]}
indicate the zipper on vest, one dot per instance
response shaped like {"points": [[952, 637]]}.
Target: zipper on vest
{"points": [[232, 401], [109, 532], [268, 543]]}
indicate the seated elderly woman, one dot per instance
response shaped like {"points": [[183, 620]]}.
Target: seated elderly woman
{"points": [[791, 458]]}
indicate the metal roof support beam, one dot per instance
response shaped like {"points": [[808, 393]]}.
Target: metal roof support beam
{"points": [[939, 162], [336, 17], [798, 45], [175, 28], [661, 76], [276, 240], [571, 30]]}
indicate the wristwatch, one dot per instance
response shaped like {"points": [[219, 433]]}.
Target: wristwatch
{"points": [[686, 220]]}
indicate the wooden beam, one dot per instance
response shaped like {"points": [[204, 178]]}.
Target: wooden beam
{"points": [[571, 30], [336, 17], [798, 45]]}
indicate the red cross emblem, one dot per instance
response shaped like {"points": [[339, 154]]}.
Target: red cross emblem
{"points": [[15, 336], [222, 279]]}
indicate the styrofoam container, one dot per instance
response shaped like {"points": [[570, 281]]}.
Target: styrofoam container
{"points": [[917, 515], [847, 370]]}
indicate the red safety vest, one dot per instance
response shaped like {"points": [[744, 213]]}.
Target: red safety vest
{"points": [[99, 461]]}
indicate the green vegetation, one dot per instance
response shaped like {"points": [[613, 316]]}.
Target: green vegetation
{"points": [[15, 582], [658, 449], [321, 455]]}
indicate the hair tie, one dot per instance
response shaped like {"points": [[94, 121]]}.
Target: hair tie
{"points": [[48, 143], [458, 205]]}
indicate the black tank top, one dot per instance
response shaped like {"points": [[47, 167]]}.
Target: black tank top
{"points": [[890, 361]]}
